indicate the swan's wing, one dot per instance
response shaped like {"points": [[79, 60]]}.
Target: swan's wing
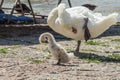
{"points": [[77, 15]]}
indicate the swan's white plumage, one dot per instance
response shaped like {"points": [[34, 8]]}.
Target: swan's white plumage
{"points": [[62, 19], [56, 49]]}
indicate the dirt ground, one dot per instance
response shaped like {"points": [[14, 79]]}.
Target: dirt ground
{"points": [[23, 58]]}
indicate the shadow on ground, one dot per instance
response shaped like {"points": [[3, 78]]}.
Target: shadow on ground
{"points": [[96, 58]]}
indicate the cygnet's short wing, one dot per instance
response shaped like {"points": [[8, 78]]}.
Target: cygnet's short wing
{"points": [[62, 55]]}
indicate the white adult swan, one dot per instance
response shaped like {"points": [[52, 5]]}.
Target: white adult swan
{"points": [[70, 22], [56, 49]]}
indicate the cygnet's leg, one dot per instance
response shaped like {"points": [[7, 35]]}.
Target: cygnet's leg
{"points": [[58, 63], [59, 2], [69, 3], [59, 59], [78, 46]]}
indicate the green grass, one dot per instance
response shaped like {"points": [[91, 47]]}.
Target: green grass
{"points": [[90, 42], [44, 43], [96, 43], [105, 45], [4, 50], [91, 50], [46, 50], [95, 60], [117, 47], [15, 47], [114, 57], [48, 57], [36, 61], [100, 59], [116, 40], [109, 39], [92, 58], [69, 49]]}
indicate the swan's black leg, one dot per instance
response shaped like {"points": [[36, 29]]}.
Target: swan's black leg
{"points": [[69, 3], [59, 2], [78, 46]]}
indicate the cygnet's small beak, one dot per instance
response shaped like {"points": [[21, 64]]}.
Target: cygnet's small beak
{"points": [[44, 41]]}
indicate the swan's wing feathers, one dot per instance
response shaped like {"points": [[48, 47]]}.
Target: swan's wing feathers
{"points": [[76, 19]]}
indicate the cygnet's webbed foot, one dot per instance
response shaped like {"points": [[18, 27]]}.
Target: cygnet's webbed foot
{"points": [[58, 63]]}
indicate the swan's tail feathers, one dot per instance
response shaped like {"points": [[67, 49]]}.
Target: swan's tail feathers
{"points": [[104, 24], [108, 21], [112, 18]]}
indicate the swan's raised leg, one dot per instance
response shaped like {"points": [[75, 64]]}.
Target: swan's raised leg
{"points": [[78, 46]]}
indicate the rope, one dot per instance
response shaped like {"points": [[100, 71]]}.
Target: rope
{"points": [[69, 2]]}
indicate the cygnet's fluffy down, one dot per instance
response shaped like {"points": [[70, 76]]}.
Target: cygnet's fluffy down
{"points": [[56, 49]]}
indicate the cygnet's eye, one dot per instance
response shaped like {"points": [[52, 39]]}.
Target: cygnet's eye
{"points": [[46, 38]]}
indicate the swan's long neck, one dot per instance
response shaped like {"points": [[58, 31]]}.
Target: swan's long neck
{"points": [[61, 10], [52, 17], [58, 17], [63, 15]]}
